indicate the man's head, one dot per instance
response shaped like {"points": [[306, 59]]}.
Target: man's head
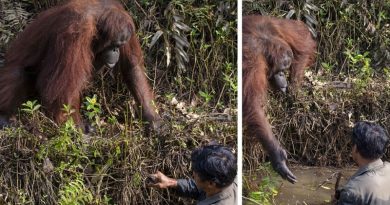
{"points": [[214, 164], [370, 140]]}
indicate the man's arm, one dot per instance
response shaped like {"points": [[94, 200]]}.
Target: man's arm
{"points": [[183, 187], [347, 197], [188, 188], [159, 180]]}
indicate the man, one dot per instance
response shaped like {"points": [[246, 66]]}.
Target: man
{"points": [[370, 185], [214, 169]]}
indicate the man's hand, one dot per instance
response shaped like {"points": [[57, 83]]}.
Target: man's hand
{"points": [[159, 180]]}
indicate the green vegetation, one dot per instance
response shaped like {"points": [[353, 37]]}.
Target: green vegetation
{"points": [[265, 188]]}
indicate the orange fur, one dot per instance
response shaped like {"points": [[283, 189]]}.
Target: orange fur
{"points": [[52, 59], [265, 40]]}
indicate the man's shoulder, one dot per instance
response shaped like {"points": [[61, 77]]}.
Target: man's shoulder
{"points": [[353, 187], [373, 183], [349, 196], [353, 192], [370, 176], [385, 170], [226, 197]]}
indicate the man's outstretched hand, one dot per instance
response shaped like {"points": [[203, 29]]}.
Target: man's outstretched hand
{"points": [[159, 180]]}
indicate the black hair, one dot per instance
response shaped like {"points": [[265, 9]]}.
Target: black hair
{"points": [[370, 139], [215, 163]]}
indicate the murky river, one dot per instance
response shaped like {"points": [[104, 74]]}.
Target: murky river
{"points": [[315, 186]]}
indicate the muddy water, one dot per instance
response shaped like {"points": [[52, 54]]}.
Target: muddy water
{"points": [[315, 186]]}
